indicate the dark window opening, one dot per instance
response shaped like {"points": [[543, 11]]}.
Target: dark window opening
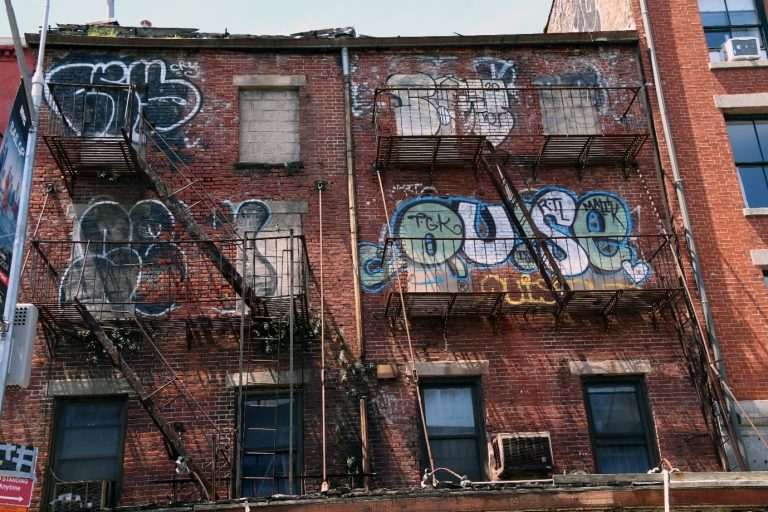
{"points": [[765, 278], [455, 429], [265, 445], [749, 143], [88, 444], [619, 424]]}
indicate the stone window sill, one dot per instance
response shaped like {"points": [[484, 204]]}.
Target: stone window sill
{"points": [[759, 63], [756, 212]]}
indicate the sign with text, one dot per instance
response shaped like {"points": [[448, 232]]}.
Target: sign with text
{"points": [[12, 153], [16, 491]]}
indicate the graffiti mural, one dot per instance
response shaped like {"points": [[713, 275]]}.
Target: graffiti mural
{"points": [[440, 242], [427, 105], [164, 92], [110, 269]]}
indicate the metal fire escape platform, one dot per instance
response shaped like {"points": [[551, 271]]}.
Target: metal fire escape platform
{"points": [[431, 289], [88, 130], [545, 127]]}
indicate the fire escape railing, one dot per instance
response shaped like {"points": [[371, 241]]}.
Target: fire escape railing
{"points": [[607, 274], [541, 126]]}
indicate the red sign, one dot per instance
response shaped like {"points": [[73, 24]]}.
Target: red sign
{"points": [[15, 491]]}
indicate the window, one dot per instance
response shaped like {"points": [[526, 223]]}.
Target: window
{"points": [[749, 142], [455, 428], [619, 423], [88, 441], [765, 278], [265, 449], [269, 126], [725, 19]]}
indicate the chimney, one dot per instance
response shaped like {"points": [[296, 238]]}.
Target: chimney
{"points": [[110, 10]]}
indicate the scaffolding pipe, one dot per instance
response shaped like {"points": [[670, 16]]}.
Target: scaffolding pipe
{"points": [[687, 227], [14, 275], [290, 369], [325, 486], [352, 199]]}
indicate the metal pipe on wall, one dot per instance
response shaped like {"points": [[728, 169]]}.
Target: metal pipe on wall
{"points": [[352, 198], [685, 218]]}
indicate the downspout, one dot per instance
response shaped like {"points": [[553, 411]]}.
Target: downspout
{"points": [[685, 218], [352, 199]]}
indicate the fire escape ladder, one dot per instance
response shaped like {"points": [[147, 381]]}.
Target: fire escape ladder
{"points": [[704, 372], [186, 202], [510, 196], [146, 398]]}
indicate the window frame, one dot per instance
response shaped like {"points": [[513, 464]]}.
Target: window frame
{"points": [[480, 435], [644, 409], [761, 25], [269, 394], [60, 403], [738, 163]]}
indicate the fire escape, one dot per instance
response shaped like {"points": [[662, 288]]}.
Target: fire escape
{"points": [[527, 267], [183, 266]]}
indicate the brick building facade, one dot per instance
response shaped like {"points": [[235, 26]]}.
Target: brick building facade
{"points": [[713, 105], [203, 204]]}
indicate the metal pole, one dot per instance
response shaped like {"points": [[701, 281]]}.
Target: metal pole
{"points": [[21, 225], [19, 49], [325, 485], [290, 371]]}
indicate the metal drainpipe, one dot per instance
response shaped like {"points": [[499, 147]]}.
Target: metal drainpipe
{"points": [[352, 198], [680, 192]]}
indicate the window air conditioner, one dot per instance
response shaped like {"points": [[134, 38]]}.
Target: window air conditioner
{"points": [[741, 48], [81, 495], [521, 455], [24, 329]]}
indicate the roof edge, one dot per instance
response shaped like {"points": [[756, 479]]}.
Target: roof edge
{"points": [[289, 44]]}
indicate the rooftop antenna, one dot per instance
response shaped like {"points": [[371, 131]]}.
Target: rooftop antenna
{"points": [[110, 10]]}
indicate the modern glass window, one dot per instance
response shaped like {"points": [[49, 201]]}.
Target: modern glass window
{"points": [[455, 428], [749, 143], [619, 423], [265, 447], [726, 19], [88, 440]]}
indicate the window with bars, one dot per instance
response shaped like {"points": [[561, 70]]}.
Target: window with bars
{"points": [[726, 19], [749, 143], [265, 444], [619, 425], [455, 428]]}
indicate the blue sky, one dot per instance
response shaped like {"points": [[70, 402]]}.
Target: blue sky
{"points": [[370, 17]]}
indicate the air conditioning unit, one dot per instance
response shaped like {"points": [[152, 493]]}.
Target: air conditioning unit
{"points": [[24, 328], [741, 48], [521, 455], [92, 495]]}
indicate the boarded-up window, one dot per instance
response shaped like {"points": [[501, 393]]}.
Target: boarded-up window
{"points": [[269, 126]]}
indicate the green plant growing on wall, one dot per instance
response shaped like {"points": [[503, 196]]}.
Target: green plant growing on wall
{"points": [[97, 31], [292, 168], [125, 340], [276, 333], [110, 176]]}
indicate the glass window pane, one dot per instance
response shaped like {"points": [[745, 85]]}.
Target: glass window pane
{"points": [[743, 17], [740, 5], [744, 141], [714, 19], [716, 38], [711, 5], [761, 127], [754, 186], [623, 459], [747, 32], [765, 278], [458, 455], [615, 410], [449, 411]]}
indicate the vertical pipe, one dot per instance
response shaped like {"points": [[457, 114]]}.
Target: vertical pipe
{"points": [[240, 367], [19, 49], [352, 199], [695, 264], [364, 446], [21, 224], [325, 486], [290, 368], [110, 10]]}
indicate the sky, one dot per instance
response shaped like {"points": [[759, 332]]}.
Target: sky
{"points": [[282, 17]]}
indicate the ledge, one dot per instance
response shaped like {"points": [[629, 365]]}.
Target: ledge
{"points": [[268, 378], [760, 258], [610, 367], [751, 103], [88, 387], [755, 212], [759, 63], [450, 368], [269, 81]]}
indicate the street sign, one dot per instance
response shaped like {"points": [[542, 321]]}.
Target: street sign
{"points": [[15, 491]]}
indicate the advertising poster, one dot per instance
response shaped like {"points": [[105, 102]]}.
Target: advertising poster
{"points": [[12, 154]]}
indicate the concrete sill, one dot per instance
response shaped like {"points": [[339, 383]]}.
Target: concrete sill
{"points": [[755, 212], [759, 63]]}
